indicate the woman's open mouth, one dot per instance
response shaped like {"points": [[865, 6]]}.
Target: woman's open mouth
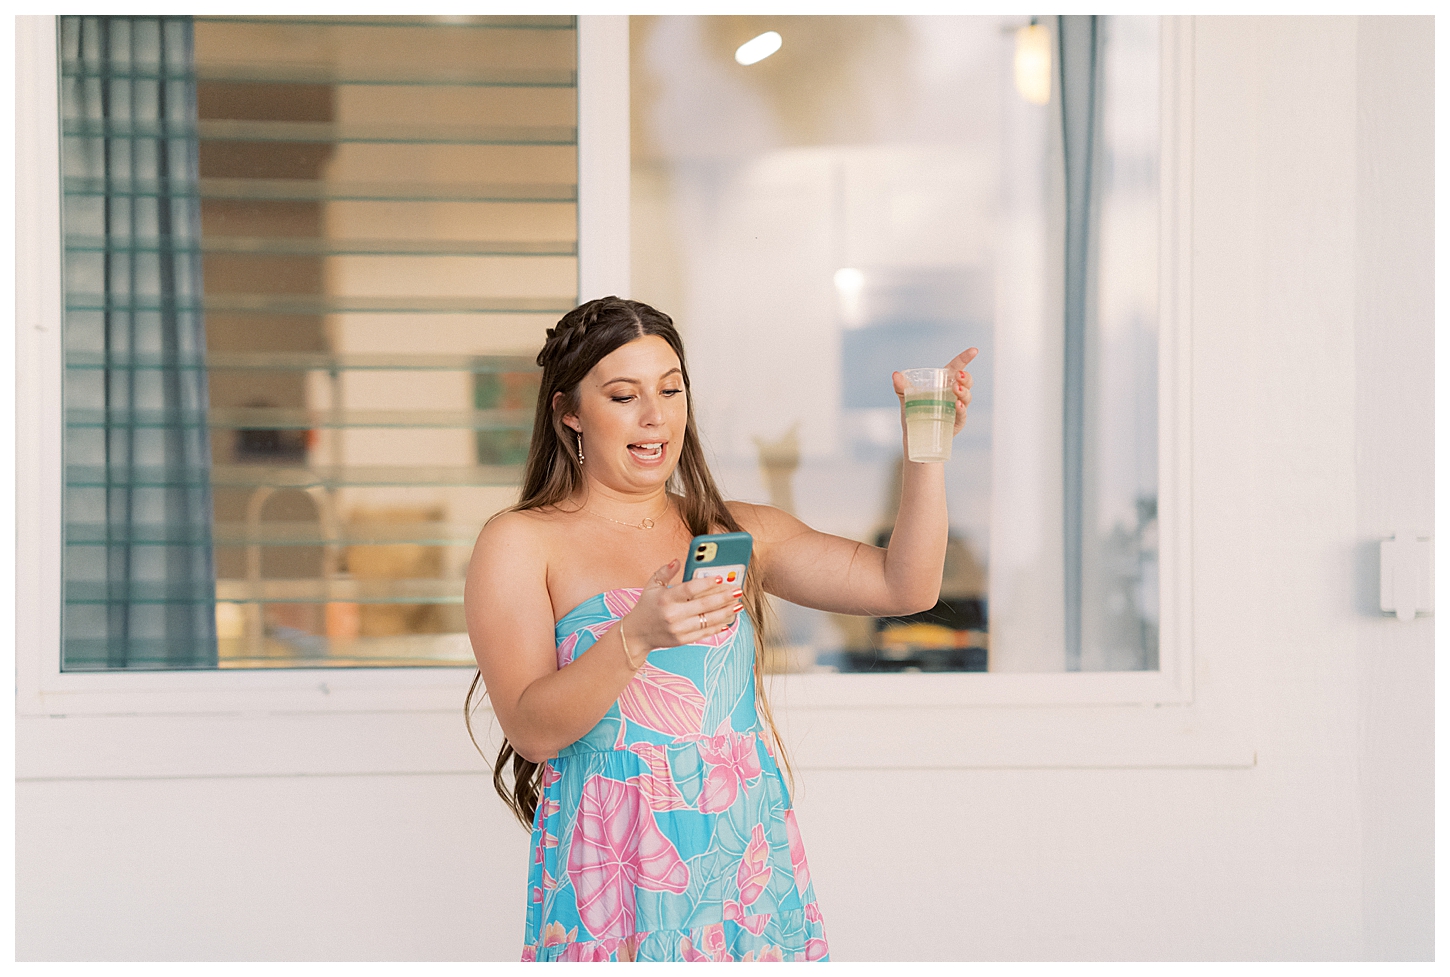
{"points": [[647, 451]]}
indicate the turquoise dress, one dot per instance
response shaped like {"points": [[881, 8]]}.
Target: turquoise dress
{"points": [[666, 831]]}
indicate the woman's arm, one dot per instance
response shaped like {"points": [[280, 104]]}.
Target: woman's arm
{"points": [[832, 573], [541, 707]]}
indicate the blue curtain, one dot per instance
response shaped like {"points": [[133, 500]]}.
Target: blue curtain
{"points": [[140, 578], [1077, 64]]}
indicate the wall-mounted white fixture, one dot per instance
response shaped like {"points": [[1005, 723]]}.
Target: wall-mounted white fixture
{"points": [[1407, 575], [758, 48], [1032, 64]]}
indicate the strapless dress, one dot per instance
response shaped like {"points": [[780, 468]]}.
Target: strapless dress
{"points": [[666, 832]]}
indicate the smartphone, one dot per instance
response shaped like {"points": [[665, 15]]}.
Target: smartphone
{"points": [[725, 555]]}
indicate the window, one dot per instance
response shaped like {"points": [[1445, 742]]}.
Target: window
{"points": [[308, 262], [837, 720], [304, 290], [882, 193]]}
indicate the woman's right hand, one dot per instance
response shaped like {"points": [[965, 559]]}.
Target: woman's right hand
{"points": [[665, 616]]}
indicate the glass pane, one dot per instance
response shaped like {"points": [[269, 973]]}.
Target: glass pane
{"points": [[386, 223], [882, 193], [1120, 606]]}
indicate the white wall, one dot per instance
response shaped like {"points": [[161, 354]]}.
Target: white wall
{"points": [[1394, 427], [214, 837]]}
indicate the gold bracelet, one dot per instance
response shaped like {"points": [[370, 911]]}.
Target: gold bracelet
{"points": [[629, 659]]}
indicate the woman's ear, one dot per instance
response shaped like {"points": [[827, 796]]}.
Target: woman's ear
{"points": [[570, 420]]}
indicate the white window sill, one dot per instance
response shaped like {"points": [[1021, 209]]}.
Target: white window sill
{"points": [[409, 721]]}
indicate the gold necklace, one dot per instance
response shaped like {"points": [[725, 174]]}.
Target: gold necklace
{"points": [[646, 523]]}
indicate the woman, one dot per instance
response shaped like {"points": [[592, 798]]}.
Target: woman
{"points": [[632, 701]]}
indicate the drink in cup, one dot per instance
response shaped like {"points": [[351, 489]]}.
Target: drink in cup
{"points": [[931, 413]]}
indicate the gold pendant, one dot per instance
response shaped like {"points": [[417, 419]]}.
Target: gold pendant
{"points": [[647, 523]]}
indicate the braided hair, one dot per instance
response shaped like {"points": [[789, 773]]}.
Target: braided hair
{"points": [[553, 474]]}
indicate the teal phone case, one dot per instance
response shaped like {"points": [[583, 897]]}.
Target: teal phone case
{"points": [[720, 553]]}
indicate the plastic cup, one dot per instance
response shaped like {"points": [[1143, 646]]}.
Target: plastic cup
{"points": [[931, 414]]}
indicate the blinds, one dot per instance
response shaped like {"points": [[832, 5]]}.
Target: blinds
{"points": [[387, 225]]}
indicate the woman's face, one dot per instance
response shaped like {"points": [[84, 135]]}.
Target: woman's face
{"points": [[632, 415]]}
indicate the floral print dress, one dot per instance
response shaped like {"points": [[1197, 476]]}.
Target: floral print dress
{"points": [[666, 831]]}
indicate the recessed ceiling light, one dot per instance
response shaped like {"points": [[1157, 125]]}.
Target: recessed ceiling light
{"points": [[758, 48]]}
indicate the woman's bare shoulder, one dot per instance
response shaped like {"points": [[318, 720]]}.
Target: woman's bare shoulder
{"points": [[519, 536]]}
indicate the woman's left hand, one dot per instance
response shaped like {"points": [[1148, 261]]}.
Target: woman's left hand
{"points": [[961, 382]]}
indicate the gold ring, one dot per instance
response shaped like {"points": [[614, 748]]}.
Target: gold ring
{"points": [[703, 625]]}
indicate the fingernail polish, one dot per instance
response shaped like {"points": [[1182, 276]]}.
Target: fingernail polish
{"points": [[737, 608], [737, 593], [719, 579]]}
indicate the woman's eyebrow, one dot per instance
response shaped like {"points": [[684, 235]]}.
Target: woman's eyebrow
{"points": [[633, 380]]}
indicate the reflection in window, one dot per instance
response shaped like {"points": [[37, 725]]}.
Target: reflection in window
{"points": [[881, 193]]}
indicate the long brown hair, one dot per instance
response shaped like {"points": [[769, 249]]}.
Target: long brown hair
{"points": [[553, 473]]}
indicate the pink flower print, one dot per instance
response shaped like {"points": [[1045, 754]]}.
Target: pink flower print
{"points": [[754, 871], [530, 955], [549, 882], [658, 785], [618, 846], [719, 791], [797, 854], [816, 949], [546, 840], [565, 652], [813, 913], [554, 934], [590, 951], [688, 951], [621, 602], [629, 948], [715, 947], [537, 895], [768, 954], [610, 950], [550, 775], [754, 923], [550, 808], [732, 760], [732, 749], [663, 701], [599, 628]]}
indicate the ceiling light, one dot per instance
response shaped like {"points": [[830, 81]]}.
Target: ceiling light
{"points": [[1032, 64], [758, 48], [850, 288]]}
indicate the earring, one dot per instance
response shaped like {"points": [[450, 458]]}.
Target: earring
{"points": [[579, 443]]}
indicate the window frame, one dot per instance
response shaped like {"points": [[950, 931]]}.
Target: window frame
{"points": [[1097, 717]]}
